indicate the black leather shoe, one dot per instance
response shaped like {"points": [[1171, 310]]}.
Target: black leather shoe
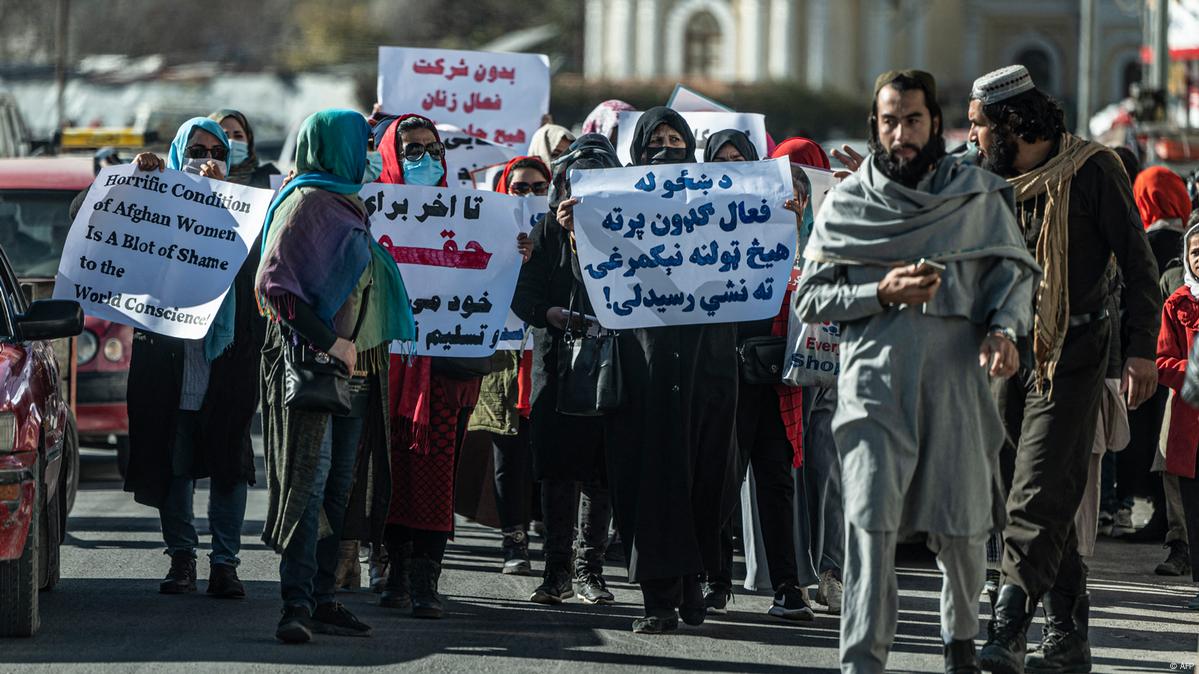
{"points": [[181, 578], [652, 624], [223, 582], [295, 627], [693, 611], [960, 658], [1006, 643], [333, 618], [426, 602], [1064, 645]]}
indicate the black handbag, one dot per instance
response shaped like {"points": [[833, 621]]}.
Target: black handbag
{"points": [[590, 382], [314, 381], [762, 359]]}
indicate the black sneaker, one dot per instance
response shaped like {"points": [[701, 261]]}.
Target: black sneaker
{"points": [[591, 588], [655, 624], [181, 578], [334, 618], [223, 582], [717, 597], [516, 554], [295, 627], [1178, 562], [791, 603], [554, 589]]}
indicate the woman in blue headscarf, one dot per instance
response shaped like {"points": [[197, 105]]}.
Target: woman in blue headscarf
{"points": [[178, 433]]}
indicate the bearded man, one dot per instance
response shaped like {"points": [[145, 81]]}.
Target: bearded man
{"points": [[1076, 212], [918, 257]]}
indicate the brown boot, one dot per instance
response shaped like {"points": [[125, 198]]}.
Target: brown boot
{"points": [[349, 569]]}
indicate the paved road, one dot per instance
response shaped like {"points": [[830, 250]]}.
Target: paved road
{"points": [[106, 615]]}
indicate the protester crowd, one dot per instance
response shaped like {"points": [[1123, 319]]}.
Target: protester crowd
{"points": [[1002, 336]]}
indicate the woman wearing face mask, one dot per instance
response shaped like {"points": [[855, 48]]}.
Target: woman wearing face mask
{"points": [[191, 403], [431, 404], [671, 451], [549, 142], [244, 168], [568, 451]]}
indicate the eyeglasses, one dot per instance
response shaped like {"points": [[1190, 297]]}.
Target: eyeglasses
{"points": [[540, 188], [202, 152], [414, 151]]}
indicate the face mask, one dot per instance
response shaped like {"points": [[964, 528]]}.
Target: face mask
{"points": [[193, 165], [667, 155], [374, 167], [424, 171], [239, 151]]}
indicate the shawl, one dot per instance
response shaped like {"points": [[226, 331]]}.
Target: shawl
{"points": [[391, 148], [604, 118], [1161, 195], [790, 397], [802, 151], [739, 140], [961, 216], [546, 139], [1052, 180], [241, 173]]}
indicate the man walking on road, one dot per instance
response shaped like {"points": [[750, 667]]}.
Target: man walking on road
{"points": [[1075, 210], [918, 257]]}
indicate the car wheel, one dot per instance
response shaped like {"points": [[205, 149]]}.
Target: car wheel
{"points": [[19, 582], [123, 456], [50, 529], [71, 483]]}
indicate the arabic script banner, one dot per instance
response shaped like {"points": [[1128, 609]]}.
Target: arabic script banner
{"points": [[456, 251], [493, 96], [680, 244]]}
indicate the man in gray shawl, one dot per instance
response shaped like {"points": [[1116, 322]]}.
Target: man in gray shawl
{"points": [[918, 257]]}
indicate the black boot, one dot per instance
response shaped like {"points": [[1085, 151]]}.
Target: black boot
{"points": [[555, 585], [1006, 643], [960, 658], [516, 552], [181, 578], [1064, 647], [397, 591], [224, 583], [426, 603]]}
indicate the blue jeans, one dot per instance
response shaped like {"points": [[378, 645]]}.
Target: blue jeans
{"points": [[308, 569], [226, 504]]}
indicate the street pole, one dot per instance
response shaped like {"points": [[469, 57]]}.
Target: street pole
{"points": [[1086, 60], [60, 64], [1161, 46]]}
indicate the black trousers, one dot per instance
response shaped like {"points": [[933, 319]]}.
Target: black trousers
{"points": [[560, 500], [663, 596], [513, 458], [763, 444], [1188, 487], [405, 541], [1052, 432]]}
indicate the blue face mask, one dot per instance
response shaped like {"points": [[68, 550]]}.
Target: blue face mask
{"points": [[239, 151], [424, 171], [374, 167]]}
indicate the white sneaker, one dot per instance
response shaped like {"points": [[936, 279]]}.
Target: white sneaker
{"points": [[829, 592]]}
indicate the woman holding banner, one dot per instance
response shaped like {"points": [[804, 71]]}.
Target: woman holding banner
{"points": [[328, 288], [671, 447], [178, 432]]}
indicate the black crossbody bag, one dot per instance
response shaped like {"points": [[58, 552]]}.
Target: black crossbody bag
{"points": [[314, 381]]}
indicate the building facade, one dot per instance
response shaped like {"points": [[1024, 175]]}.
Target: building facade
{"points": [[843, 44]]}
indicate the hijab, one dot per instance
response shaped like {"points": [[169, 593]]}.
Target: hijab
{"points": [[178, 151], [604, 117], [546, 139], [649, 121], [392, 150], [802, 151], [1188, 276], [502, 186], [1161, 195], [591, 150], [739, 140], [242, 172]]}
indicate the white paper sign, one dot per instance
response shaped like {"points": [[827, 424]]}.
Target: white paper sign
{"points": [[495, 96], [456, 251], [465, 154], [680, 244], [822, 182], [158, 250], [703, 124], [683, 99]]}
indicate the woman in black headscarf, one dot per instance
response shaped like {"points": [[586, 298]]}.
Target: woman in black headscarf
{"points": [[671, 451], [568, 451]]}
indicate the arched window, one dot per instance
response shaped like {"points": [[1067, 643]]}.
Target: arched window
{"points": [[702, 43], [1039, 64]]}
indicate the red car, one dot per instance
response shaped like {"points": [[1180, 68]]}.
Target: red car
{"points": [[35, 196], [39, 453]]}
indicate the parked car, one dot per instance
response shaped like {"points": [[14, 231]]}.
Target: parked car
{"points": [[39, 451], [35, 197]]}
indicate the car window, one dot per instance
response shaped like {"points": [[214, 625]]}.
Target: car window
{"points": [[33, 228]]}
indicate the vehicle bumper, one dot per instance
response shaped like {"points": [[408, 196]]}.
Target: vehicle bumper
{"points": [[16, 514]]}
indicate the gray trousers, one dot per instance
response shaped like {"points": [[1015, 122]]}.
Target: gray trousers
{"points": [[871, 599]]}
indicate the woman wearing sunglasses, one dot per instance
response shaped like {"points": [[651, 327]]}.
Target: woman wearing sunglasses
{"points": [[178, 433]]}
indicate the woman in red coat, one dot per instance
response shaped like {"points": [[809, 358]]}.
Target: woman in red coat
{"points": [[1180, 323]]}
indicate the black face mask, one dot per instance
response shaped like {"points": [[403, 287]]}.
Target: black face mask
{"points": [[667, 155]]}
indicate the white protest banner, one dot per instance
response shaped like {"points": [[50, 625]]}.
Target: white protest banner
{"points": [[158, 250], [822, 181], [703, 124], [494, 96], [678, 244], [513, 336], [456, 251], [683, 99], [465, 154]]}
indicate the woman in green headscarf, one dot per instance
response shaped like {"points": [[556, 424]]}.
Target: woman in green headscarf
{"points": [[244, 168], [320, 268]]}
